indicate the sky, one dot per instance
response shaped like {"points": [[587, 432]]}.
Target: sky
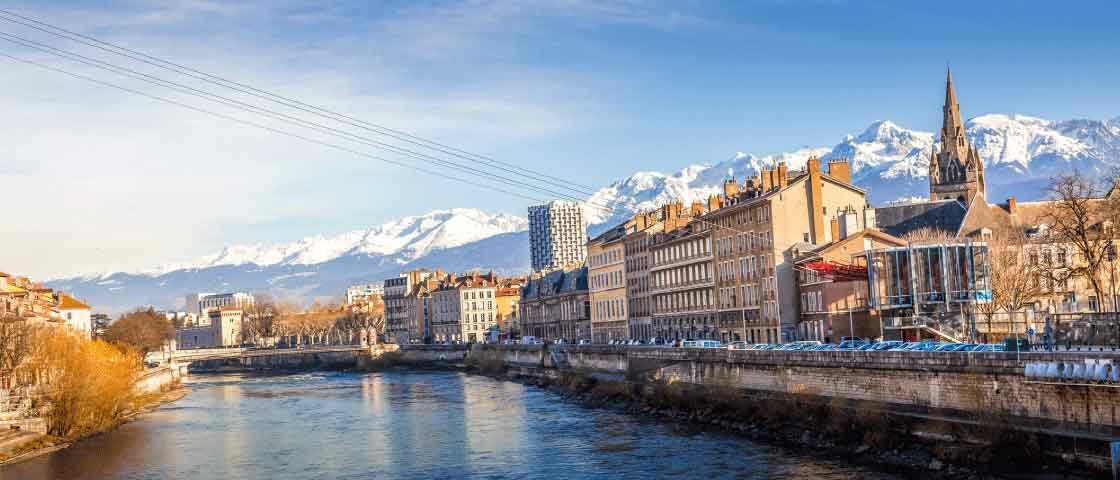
{"points": [[101, 180]]}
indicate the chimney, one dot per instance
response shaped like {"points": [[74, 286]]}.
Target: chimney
{"points": [[713, 203], [783, 175], [697, 209], [640, 221], [840, 170], [766, 180], [813, 165], [1012, 206], [730, 188], [835, 227], [869, 217]]}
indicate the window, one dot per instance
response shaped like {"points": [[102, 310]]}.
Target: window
{"points": [[805, 237]]}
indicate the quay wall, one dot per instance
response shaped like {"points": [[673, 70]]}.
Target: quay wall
{"points": [[992, 383]]}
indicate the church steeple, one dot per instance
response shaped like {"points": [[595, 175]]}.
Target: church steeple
{"points": [[956, 171]]}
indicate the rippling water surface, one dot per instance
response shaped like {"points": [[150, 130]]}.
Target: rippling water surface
{"points": [[406, 425]]}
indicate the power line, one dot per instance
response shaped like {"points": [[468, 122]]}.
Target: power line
{"points": [[220, 81], [292, 103], [260, 126], [273, 114]]}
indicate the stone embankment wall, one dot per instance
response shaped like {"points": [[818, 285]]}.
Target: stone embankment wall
{"points": [[916, 382], [435, 354]]}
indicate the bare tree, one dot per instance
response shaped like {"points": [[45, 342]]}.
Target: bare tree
{"points": [[1015, 281], [1078, 217]]}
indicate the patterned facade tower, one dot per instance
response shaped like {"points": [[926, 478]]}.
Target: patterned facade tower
{"points": [[956, 172]]}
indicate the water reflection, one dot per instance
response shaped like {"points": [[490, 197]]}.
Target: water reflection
{"points": [[405, 425]]}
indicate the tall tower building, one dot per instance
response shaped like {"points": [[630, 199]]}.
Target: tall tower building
{"points": [[956, 172], [557, 235]]}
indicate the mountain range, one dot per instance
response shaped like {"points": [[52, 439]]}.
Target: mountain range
{"points": [[889, 161]]}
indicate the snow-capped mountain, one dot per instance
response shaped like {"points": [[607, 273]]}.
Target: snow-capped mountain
{"points": [[322, 266], [889, 161], [892, 162]]}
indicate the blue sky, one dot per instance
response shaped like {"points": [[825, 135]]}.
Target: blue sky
{"points": [[592, 91]]}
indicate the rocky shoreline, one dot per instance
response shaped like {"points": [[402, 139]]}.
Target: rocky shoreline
{"points": [[836, 432]]}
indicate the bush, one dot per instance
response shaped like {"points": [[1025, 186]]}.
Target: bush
{"points": [[88, 385]]}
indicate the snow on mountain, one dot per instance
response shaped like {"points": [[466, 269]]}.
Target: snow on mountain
{"points": [[407, 238], [892, 162], [889, 161]]}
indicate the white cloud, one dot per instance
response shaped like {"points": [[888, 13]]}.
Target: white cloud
{"points": [[100, 180]]}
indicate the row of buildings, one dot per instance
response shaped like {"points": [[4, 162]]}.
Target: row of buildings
{"points": [[22, 298], [423, 306], [790, 255]]}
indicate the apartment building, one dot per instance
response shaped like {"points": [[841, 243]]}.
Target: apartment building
{"points": [[360, 293], [446, 313], [557, 235], [639, 236], [606, 279], [400, 305], [478, 310], [216, 301], [681, 276], [753, 231], [556, 305]]}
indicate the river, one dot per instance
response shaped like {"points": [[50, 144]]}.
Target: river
{"points": [[407, 425]]}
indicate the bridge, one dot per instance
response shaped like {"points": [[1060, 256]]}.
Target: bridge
{"points": [[182, 359]]}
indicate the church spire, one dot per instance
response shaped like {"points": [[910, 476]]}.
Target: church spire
{"points": [[955, 169], [951, 126]]}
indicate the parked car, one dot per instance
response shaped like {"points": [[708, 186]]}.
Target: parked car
{"points": [[738, 346], [887, 345], [850, 344], [530, 340], [584, 341]]}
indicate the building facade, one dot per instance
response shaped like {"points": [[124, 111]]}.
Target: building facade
{"points": [[833, 288], [222, 328], [755, 230], [681, 278], [639, 236], [606, 279], [401, 305], [215, 301], [557, 235], [556, 305], [358, 293]]}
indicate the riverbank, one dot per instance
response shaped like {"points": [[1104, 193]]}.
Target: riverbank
{"points": [[983, 446], [46, 444]]}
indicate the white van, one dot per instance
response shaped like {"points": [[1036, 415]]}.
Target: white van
{"points": [[529, 340]]}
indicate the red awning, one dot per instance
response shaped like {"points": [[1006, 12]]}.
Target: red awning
{"points": [[838, 272]]}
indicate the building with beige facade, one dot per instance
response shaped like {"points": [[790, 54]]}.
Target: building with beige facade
{"points": [[606, 279], [755, 229], [681, 276], [640, 232]]}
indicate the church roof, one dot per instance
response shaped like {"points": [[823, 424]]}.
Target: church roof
{"points": [[899, 220]]}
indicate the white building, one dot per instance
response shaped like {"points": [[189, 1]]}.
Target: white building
{"points": [[363, 292], [76, 314], [222, 328], [215, 301], [557, 235]]}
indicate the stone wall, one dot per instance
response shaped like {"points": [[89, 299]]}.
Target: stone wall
{"points": [[915, 382]]}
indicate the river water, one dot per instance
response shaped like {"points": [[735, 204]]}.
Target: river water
{"points": [[408, 425]]}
